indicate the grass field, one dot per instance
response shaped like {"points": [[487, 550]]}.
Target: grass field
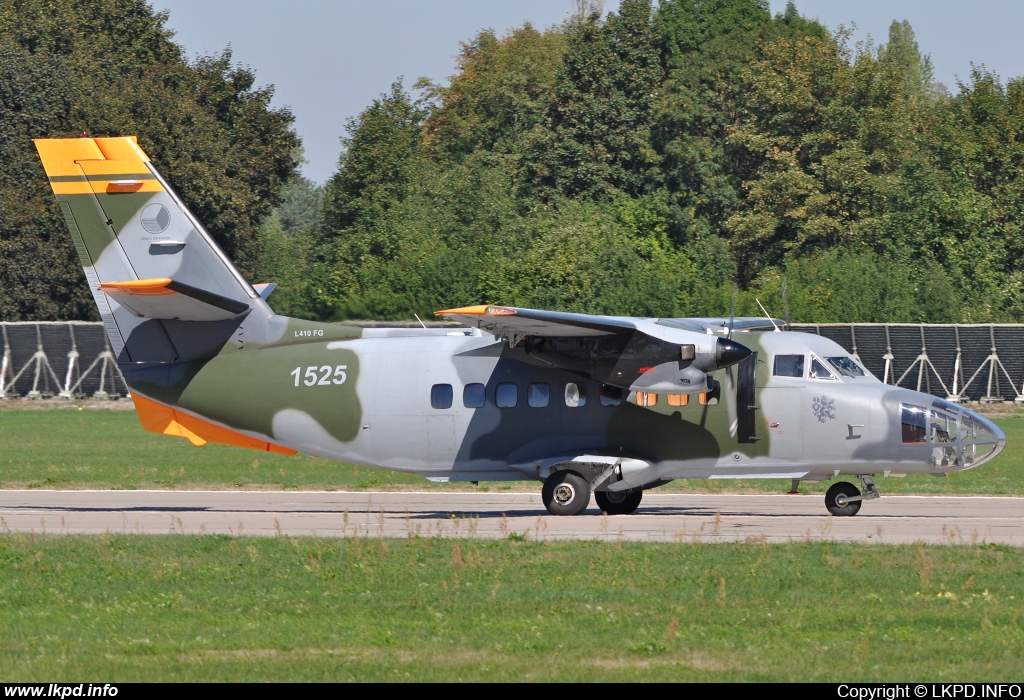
{"points": [[197, 608], [65, 448], [131, 608]]}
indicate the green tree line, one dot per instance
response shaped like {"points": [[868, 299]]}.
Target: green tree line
{"points": [[646, 162]]}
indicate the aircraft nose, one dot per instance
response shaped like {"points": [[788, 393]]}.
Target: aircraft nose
{"points": [[985, 438], [729, 352]]}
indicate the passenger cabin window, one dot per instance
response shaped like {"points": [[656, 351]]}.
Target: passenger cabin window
{"points": [[643, 399], [537, 395], [473, 396], [575, 395], [846, 366], [441, 396], [789, 365], [820, 371], [610, 395], [506, 395], [914, 420], [678, 399]]}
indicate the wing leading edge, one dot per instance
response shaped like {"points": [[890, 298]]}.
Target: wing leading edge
{"points": [[510, 323]]}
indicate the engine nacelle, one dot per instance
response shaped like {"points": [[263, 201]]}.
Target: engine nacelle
{"points": [[670, 378]]}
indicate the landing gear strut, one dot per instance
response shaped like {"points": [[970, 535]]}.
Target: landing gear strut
{"points": [[566, 493], [618, 502], [844, 499]]}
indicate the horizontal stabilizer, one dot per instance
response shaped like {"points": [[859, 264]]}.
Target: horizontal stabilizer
{"points": [[164, 298]]}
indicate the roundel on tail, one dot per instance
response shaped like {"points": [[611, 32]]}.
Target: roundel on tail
{"points": [[155, 218]]}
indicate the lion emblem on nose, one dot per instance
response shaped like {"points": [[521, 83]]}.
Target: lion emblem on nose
{"points": [[824, 408]]}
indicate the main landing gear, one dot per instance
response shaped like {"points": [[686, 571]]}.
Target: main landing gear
{"points": [[618, 502], [566, 492], [844, 499]]}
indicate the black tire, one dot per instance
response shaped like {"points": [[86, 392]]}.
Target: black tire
{"points": [[566, 493], [618, 502], [846, 489]]}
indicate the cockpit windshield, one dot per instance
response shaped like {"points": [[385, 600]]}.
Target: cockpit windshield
{"points": [[846, 366]]}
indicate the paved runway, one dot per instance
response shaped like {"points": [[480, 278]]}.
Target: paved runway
{"points": [[661, 517]]}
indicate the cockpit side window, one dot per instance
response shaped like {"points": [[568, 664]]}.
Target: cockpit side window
{"points": [[820, 371], [846, 366], [789, 366]]}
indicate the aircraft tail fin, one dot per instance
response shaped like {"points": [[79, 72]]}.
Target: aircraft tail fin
{"points": [[149, 263]]}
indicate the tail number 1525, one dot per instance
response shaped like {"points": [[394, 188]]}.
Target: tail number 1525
{"points": [[320, 376]]}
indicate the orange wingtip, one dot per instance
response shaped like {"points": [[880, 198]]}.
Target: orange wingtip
{"points": [[158, 418], [140, 288], [478, 311]]}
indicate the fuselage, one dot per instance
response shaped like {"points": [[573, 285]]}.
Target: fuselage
{"points": [[454, 405]]}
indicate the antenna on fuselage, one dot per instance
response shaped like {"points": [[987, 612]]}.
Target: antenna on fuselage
{"points": [[770, 319], [421, 321], [785, 302], [732, 310]]}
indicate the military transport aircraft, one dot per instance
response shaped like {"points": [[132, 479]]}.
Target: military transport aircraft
{"points": [[598, 405]]}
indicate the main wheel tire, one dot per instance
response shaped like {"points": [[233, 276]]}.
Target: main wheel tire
{"points": [[618, 502], [847, 490], [566, 493]]}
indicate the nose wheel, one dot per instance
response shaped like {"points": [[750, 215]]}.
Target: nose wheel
{"points": [[566, 493], [836, 499], [844, 499]]}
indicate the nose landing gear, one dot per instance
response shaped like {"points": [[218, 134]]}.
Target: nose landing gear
{"points": [[844, 499]]}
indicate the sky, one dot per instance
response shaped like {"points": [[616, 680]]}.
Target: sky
{"points": [[329, 59]]}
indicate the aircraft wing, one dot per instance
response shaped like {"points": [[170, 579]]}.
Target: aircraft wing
{"points": [[630, 353], [510, 322], [721, 325]]}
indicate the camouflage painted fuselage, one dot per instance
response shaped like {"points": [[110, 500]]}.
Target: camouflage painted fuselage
{"points": [[381, 414]]}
